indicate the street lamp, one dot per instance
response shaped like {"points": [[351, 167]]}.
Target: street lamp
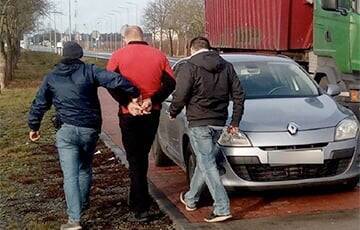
{"points": [[110, 24], [70, 20], [136, 10], [54, 20], [89, 40], [117, 27], [127, 12], [99, 21]]}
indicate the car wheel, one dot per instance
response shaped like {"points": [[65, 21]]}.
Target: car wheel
{"points": [[352, 183], [160, 158], [190, 169], [191, 164]]}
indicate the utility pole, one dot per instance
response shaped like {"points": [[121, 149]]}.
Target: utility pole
{"points": [[136, 11], [69, 20], [75, 18], [55, 40]]}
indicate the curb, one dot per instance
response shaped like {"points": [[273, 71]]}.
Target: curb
{"points": [[181, 223]]}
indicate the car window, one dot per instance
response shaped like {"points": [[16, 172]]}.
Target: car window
{"points": [[274, 80], [344, 4]]}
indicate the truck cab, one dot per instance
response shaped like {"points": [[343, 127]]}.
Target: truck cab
{"points": [[337, 48]]}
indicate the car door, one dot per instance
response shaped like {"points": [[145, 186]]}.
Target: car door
{"points": [[174, 130]]}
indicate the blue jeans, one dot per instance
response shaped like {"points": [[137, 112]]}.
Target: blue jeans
{"points": [[203, 140], [76, 146]]}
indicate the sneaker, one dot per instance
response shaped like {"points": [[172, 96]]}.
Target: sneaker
{"points": [[140, 217], [212, 218], [71, 225], [182, 199]]}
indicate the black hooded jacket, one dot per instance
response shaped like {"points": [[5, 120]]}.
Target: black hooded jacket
{"points": [[205, 84], [72, 88]]}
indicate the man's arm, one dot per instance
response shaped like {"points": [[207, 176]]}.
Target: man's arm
{"points": [[114, 81], [238, 97], [40, 105], [184, 83], [119, 96], [113, 64], [167, 87]]}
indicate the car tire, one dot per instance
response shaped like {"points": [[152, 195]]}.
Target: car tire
{"points": [[190, 164], [159, 156], [190, 169], [352, 183]]}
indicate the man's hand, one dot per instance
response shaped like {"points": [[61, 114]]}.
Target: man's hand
{"points": [[146, 106], [137, 100], [134, 109], [233, 129], [34, 135]]}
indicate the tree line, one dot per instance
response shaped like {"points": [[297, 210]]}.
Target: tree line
{"points": [[173, 23], [17, 17]]}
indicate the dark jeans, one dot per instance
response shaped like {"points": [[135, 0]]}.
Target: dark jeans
{"points": [[138, 134]]}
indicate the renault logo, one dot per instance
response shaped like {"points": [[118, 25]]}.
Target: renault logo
{"points": [[292, 128]]}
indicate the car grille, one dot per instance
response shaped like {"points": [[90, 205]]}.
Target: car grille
{"points": [[294, 147], [266, 173]]}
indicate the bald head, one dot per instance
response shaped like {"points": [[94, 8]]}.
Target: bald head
{"points": [[133, 33]]}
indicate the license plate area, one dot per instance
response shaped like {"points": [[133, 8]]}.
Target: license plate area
{"points": [[315, 156]]}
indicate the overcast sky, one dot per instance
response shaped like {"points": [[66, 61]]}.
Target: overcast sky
{"points": [[89, 13]]}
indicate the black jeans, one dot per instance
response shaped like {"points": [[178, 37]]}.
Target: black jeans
{"points": [[138, 134]]}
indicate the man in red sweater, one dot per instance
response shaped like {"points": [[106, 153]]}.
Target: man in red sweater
{"points": [[149, 70]]}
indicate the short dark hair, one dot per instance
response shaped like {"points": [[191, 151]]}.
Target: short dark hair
{"points": [[200, 43]]}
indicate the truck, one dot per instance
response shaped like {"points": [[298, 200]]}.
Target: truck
{"points": [[322, 35]]}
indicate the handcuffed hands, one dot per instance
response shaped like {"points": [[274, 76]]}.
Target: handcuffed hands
{"points": [[34, 135], [138, 107]]}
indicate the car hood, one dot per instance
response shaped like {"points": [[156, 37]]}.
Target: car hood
{"points": [[275, 114]]}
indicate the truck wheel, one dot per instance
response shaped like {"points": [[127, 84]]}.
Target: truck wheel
{"points": [[324, 82], [160, 158]]}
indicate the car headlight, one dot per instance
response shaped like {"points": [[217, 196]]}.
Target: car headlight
{"points": [[346, 129], [238, 139]]}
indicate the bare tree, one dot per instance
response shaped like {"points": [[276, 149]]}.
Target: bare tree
{"points": [[178, 19], [17, 17]]}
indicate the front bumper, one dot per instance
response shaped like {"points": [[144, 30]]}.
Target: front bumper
{"points": [[347, 167]]}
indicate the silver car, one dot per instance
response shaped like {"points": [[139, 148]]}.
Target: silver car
{"points": [[293, 133]]}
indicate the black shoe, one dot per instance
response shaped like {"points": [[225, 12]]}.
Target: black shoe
{"points": [[212, 218], [140, 217]]}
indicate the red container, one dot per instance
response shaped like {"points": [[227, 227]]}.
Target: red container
{"points": [[276, 25]]}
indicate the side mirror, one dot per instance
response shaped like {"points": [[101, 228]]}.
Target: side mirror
{"points": [[329, 4], [333, 90], [169, 99]]}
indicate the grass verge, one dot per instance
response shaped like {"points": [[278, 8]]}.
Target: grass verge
{"points": [[31, 193]]}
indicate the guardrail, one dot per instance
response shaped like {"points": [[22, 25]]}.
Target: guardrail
{"points": [[87, 53]]}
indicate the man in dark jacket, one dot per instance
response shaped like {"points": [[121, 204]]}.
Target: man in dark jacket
{"points": [[204, 84], [72, 88], [149, 70]]}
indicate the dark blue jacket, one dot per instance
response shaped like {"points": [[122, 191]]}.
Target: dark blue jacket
{"points": [[72, 88]]}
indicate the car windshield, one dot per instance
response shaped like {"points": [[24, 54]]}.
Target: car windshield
{"points": [[274, 80]]}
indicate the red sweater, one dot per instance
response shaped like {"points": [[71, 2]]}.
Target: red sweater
{"points": [[142, 65]]}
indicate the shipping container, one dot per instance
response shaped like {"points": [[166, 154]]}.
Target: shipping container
{"points": [[275, 25]]}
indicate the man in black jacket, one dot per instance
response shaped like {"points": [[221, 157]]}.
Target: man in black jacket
{"points": [[72, 88], [204, 84]]}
